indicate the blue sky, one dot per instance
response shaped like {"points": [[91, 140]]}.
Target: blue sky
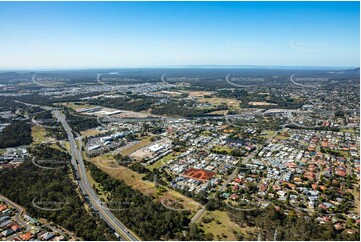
{"points": [[132, 34]]}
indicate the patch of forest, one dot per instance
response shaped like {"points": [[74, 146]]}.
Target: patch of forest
{"points": [[16, 134], [53, 189], [146, 217]]}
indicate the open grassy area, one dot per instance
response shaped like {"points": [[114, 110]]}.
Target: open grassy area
{"points": [[67, 146], [199, 93], [221, 225], [39, 134], [349, 130], [281, 137], [161, 162], [206, 133], [268, 133], [55, 146], [76, 106], [144, 142], [100, 192], [223, 148], [133, 179], [91, 132], [215, 101]]}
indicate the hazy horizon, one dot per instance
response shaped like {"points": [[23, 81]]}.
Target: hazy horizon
{"points": [[147, 34], [80, 68]]}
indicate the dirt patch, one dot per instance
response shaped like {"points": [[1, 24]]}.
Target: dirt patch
{"points": [[198, 174], [199, 94], [262, 104]]}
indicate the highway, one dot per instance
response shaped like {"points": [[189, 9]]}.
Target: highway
{"points": [[171, 119], [86, 188]]}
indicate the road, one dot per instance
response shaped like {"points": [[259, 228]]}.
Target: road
{"points": [[78, 163], [19, 219], [198, 215], [18, 216], [245, 161], [170, 119], [236, 171]]}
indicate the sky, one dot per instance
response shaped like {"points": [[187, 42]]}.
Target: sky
{"points": [[146, 34]]}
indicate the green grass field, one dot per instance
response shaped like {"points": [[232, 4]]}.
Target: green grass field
{"points": [[144, 142], [159, 163], [39, 134], [223, 148], [221, 226], [268, 133]]}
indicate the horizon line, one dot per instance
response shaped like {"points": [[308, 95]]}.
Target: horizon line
{"points": [[55, 68]]}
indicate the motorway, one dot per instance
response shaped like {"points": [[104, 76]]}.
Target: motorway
{"points": [[86, 188], [108, 119]]}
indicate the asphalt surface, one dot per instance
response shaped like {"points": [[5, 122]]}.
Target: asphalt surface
{"points": [[18, 216], [86, 188], [245, 161]]}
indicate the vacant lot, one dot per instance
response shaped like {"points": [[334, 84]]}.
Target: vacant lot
{"points": [[232, 103], [55, 146], [281, 137], [39, 135], [91, 132], [223, 148], [144, 142], [199, 94], [107, 164], [221, 225], [262, 104], [75, 106], [267, 133], [161, 162]]}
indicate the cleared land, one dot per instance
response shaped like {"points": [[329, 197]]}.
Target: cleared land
{"points": [[77, 106], [199, 94], [268, 133], [91, 132], [232, 103], [198, 174], [161, 162], [281, 137], [223, 148], [262, 104], [39, 135], [221, 226], [55, 146], [134, 179], [144, 142]]}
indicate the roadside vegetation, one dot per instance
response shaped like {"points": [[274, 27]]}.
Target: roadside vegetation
{"points": [[148, 218], [52, 189]]}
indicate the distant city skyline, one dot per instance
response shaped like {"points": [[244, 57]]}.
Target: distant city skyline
{"points": [[165, 34]]}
